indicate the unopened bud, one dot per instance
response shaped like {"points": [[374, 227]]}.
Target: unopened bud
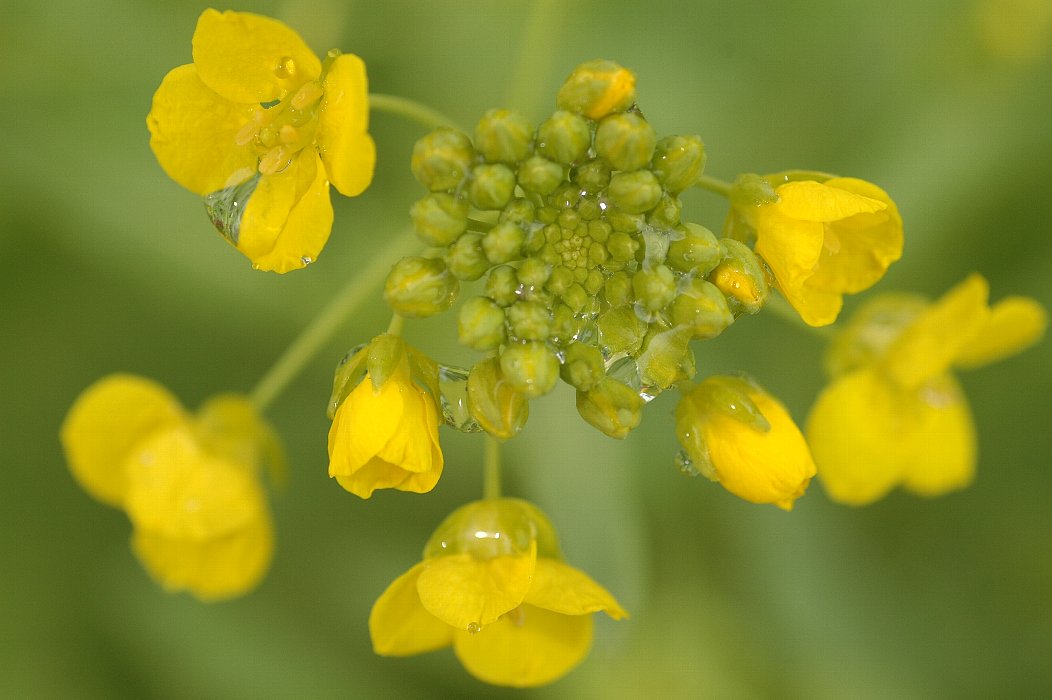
{"points": [[419, 287], [621, 330], [741, 278], [530, 367], [498, 408], [466, 259], [679, 161], [503, 136], [491, 186], [529, 320], [503, 242], [634, 192], [480, 325], [583, 366], [598, 88], [540, 175], [611, 407], [654, 288], [564, 137], [625, 141], [502, 285], [441, 160], [439, 218], [702, 308], [697, 251]]}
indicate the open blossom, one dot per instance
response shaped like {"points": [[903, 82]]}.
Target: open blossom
{"points": [[894, 414], [189, 483], [493, 585], [260, 127]]}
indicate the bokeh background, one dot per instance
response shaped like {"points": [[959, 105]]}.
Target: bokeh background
{"points": [[109, 266]]}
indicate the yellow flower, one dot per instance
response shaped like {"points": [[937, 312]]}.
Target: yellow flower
{"points": [[189, 484], [894, 414], [825, 239], [259, 127], [739, 435], [384, 432], [493, 585]]}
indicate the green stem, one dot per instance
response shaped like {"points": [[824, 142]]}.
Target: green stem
{"points": [[409, 109], [396, 325], [324, 326], [491, 469], [537, 50], [714, 184]]}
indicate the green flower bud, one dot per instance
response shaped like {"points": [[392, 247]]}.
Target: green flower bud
{"points": [[625, 141], [589, 209], [480, 325], [530, 367], [597, 88], [503, 136], [564, 137], [529, 320], [698, 250], [502, 285], [635, 192], [702, 308], [498, 408], [439, 218], [565, 197], [679, 161], [667, 212], [612, 407], [419, 287], [518, 211], [441, 160], [547, 215], [534, 238], [665, 351], [624, 222], [599, 231], [466, 259], [592, 176], [654, 288], [620, 330], [534, 273], [565, 324], [503, 242], [594, 284], [540, 175], [583, 366], [617, 291], [576, 297], [491, 186], [622, 247], [597, 255], [741, 277]]}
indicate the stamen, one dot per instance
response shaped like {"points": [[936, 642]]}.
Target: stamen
{"points": [[308, 94], [289, 134], [274, 161], [247, 133]]}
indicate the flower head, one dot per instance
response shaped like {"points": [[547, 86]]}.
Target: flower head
{"points": [[894, 413], [259, 127], [384, 431], [493, 585], [822, 238], [189, 483], [741, 436]]}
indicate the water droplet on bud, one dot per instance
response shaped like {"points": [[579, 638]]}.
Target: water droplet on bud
{"points": [[453, 397]]}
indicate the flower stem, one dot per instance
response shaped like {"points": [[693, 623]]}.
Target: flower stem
{"points": [[409, 109], [491, 469], [396, 325], [329, 319], [714, 184], [537, 51]]}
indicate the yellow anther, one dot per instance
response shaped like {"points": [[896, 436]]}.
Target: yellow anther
{"points": [[307, 95], [274, 161], [286, 68], [289, 134], [247, 133]]}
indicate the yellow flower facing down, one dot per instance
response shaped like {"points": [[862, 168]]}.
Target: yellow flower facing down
{"points": [[189, 483], [493, 585], [739, 435], [824, 239], [894, 414], [259, 127], [384, 431]]}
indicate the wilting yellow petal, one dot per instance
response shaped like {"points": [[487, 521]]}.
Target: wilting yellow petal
{"points": [[465, 592], [563, 589], [1015, 324], [105, 422], [528, 647], [344, 143], [400, 626]]}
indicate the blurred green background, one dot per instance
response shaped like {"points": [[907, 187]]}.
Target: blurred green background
{"points": [[109, 266]]}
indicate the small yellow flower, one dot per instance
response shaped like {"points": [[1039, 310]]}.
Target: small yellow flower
{"points": [[189, 484], [493, 585], [825, 239], [384, 434], [259, 127], [741, 436], [894, 414]]}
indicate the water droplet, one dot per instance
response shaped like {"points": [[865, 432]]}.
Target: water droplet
{"points": [[474, 628], [306, 260], [453, 396], [286, 68], [685, 464], [226, 207]]}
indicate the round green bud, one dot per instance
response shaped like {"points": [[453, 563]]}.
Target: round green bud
{"points": [[503, 136], [442, 159], [530, 367], [634, 192], [518, 211], [702, 308], [564, 137], [741, 277], [618, 289], [589, 209], [622, 221], [540, 175], [576, 297], [611, 407], [466, 259], [597, 253], [582, 366], [503, 242], [597, 88], [419, 287], [502, 285], [439, 218], [533, 273], [534, 238], [592, 176], [560, 280], [679, 161], [565, 197], [498, 408], [698, 250], [565, 324], [547, 215], [622, 247], [529, 320], [666, 357], [625, 141], [621, 330], [667, 212], [654, 288], [599, 231], [491, 186], [594, 284], [480, 325]]}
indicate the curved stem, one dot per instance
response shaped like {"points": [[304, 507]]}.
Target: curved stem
{"points": [[409, 109], [714, 184], [491, 469], [318, 332]]}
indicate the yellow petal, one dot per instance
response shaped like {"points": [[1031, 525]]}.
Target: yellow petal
{"points": [[929, 345], [247, 58], [104, 424], [400, 626], [212, 569], [468, 593], [563, 589], [526, 648], [791, 247], [424, 481], [346, 148], [192, 133], [940, 440], [363, 425], [808, 200], [1015, 324], [374, 474]]}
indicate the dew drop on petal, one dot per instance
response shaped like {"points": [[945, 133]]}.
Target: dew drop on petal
{"points": [[474, 628], [225, 207]]}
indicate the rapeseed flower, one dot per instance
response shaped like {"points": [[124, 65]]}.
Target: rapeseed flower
{"points": [[259, 126], [894, 414], [493, 585]]}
